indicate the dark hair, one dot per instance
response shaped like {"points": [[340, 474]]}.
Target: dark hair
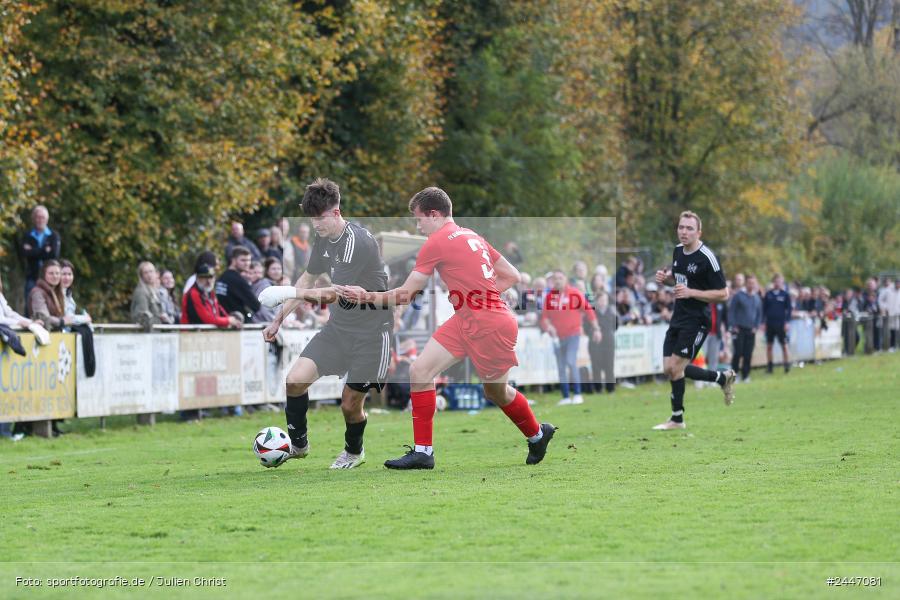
{"points": [[205, 258], [268, 263], [432, 198], [321, 195], [238, 251], [63, 263]]}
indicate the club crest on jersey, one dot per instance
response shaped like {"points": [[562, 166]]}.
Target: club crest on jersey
{"points": [[692, 268]]}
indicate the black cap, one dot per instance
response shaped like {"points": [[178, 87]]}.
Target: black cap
{"points": [[263, 233], [205, 270]]}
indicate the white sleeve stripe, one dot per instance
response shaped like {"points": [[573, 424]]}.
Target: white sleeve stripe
{"points": [[712, 257], [348, 250], [385, 355]]}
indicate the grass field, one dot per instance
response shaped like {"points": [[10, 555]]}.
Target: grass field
{"points": [[795, 483]]}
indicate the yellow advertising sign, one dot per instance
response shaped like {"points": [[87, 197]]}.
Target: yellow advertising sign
{"points": [[40, 385]]}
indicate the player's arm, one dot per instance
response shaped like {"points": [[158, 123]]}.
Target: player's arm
{"points": [[291, 296], [505, 274], [404, 294], [715, 295], [665, 277], [702, 295], [295, 295]]}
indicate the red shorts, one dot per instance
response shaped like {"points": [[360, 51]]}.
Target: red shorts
{"points": [[489, 341]]}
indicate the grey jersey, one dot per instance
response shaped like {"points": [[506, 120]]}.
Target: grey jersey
{"points": [[352, 259]]}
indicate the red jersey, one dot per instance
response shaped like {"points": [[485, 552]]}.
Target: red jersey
{"points": [[465, 261], [564, 309]]}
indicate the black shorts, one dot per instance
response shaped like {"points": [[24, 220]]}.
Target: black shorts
{"points": [[774, 332], [364, 358], [685, 340]]}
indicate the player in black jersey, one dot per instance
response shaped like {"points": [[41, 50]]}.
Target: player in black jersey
{"points": [[698, 280], [356, 341]]}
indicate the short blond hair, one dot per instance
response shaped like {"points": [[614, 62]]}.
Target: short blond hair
{"points": [[688, 214]]}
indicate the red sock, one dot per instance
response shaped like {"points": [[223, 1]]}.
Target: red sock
{"points": [[423, 407], [521, 414]]}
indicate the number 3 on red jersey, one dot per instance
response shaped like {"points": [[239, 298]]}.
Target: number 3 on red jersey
{"points": [[486, 268]]}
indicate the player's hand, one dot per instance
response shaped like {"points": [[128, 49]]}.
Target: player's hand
{"points": [[683, 292], [354, 293], [274, 295], [661, 276], [271, 332]]}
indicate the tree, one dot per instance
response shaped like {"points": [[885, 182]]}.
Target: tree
{"points": [[380, 120], [505, 151], [848, 220], [709, 110], [585, 64], [165, 118], [18, 145]]}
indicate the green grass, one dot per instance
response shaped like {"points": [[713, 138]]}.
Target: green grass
{"points": [[797, 482]]}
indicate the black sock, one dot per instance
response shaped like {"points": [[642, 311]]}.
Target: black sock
{"points": [[677, 398], [698, 374], [353, 437], [295, 411]]}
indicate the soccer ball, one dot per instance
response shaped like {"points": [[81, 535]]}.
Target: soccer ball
{"points": [[272, 446]]}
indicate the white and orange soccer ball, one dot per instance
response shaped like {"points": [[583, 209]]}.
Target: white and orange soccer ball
{"points": [[272, 446]]}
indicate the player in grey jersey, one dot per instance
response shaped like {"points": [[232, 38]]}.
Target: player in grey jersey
{"points": [[356, 341]]}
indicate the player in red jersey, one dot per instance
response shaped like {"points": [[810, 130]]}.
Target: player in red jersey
{"points": [[482, 328]]}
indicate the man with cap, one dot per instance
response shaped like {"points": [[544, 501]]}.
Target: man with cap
{"points": [[264, 243], [199, 306]]}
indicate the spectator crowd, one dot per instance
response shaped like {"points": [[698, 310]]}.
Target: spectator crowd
{"points": [[564, 304]]}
